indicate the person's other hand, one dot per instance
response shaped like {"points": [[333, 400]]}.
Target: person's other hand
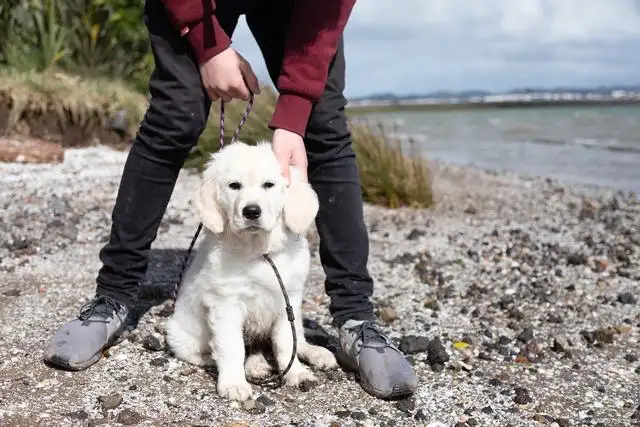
{"points": [[289, 150], [228, 75]]}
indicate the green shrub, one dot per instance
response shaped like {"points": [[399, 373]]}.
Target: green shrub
{"points": [[92, 38]]}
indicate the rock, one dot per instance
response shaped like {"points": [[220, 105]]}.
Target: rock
{"points": [[266, 401], [600, 264], [415, 234], [30, 151], [359, 415], [254, 407], [631, 358], [437, 355], [563, 422], [12, 293], [110, 401], [406, 405], [577, 259], [526, 335], [387, 314], [471, 210], [80, 415], [119, 122], [605, 335], [159, 361], [588, 210], [306, 386], [431, 304], [487, 410], [627, 298], [152, 343], [129, 417], [522, 396], [412, 344], [560, 344], [420, 415]]}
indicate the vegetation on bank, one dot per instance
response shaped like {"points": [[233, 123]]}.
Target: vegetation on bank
{"points": [[68, 68]]}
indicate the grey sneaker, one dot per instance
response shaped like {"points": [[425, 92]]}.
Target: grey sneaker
{"points": [[383, 370], [79, 343]]}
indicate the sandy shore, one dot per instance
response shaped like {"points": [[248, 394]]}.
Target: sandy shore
{"points": [[516, 298]]}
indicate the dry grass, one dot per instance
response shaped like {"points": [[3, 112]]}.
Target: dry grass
{"points": [[390, 177], [72, 100]]}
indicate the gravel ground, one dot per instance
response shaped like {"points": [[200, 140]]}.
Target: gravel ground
{"points": [[516, 299]]}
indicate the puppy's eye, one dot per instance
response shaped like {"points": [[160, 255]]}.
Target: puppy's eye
{"points": [[268, 185], [235, 185]]}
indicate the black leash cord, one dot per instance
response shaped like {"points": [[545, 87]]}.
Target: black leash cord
{"points": [[288, 308], [291, 318]]}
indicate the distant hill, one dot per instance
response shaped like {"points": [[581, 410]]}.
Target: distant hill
{"points": [[476, 92]]}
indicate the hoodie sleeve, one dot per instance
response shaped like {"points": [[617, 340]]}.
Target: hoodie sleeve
{"points": [[314, 32]]}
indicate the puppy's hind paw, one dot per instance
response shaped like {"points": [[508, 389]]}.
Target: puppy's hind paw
{"points": [[256, 366], [235, 390], [318, 357]]}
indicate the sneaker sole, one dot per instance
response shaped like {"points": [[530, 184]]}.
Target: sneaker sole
{"points": [[398, 392], [60, 362]]}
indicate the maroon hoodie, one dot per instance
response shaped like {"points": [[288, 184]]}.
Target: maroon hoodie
{"points": [[315, 28]]}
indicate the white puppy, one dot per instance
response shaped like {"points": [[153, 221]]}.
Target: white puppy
{"points": [[230, 295]]}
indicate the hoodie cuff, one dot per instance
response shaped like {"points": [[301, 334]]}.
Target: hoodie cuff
{"points": [[291, 113], [206, 41]]}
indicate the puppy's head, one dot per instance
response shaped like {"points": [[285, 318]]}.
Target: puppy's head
{"points": [[243, 192]]}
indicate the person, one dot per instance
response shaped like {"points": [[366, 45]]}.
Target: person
{"points": [[303, 48]]}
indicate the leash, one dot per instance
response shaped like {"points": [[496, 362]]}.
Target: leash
{"points": [[289, 309]]}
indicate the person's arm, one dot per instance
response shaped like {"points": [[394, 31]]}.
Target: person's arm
{"points": [[196, 20], [314, 31]]}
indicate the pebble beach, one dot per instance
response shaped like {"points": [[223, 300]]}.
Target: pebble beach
{"points": [[516, 299]]}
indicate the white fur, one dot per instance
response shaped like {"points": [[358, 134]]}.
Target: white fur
{"points": [[230, 295]]}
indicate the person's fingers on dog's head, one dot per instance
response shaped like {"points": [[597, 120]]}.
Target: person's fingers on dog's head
{"points": [[284, 161], [300, 161]]}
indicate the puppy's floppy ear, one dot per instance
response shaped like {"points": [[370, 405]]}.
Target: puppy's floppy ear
{"points": [[300, 204], [208, 208]]}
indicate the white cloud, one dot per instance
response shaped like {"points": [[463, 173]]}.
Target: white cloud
{"points": [[425, 45]]}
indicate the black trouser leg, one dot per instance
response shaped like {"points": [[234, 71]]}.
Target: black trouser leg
{"points": [[176, 117], [344, 243]]}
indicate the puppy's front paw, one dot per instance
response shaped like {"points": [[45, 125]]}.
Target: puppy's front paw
{"points": [[296, 376], [237, 389], [320, 357]]}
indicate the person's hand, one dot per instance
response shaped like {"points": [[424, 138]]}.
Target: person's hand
{"points": [[228, 75], [289, 150]]}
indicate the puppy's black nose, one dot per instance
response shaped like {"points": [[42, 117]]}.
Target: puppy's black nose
{"points": [[251, 211]]}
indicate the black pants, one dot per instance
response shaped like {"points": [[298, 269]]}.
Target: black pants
{"points": [[176, 117]]}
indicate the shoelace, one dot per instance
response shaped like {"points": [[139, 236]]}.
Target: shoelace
{"points": [[370, 336], [103, 305]]}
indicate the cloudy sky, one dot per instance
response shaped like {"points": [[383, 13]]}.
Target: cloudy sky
{"points": [[417, 46]]}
